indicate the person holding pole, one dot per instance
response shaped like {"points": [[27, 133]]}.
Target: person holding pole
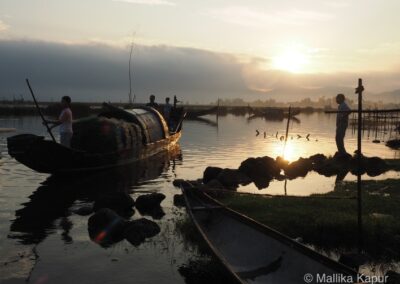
{"points": [[342, 122], [64, 121]]}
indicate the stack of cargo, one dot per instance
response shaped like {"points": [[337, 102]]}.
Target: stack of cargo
{"points": [[104, 135]]}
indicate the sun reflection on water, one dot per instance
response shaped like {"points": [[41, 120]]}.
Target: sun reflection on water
{"points": [[289, 152]]}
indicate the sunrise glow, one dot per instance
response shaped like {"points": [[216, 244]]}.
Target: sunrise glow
{"points": [[291, 60]]}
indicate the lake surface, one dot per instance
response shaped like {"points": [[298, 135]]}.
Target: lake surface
{"points": [[44, 240]]}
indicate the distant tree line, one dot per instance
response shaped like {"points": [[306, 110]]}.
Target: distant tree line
{"points": [[320, 103]]}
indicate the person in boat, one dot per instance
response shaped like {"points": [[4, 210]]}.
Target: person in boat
{"points": [[167, 111], [64, 121], [342, 122], [152, 102]]}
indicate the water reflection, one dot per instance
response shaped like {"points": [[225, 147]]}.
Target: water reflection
{"points": [[50, 206]]}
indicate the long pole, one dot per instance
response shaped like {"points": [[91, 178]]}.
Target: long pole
{"points": [[40, 112], [359, 91], [130, 77], [287, 130]]}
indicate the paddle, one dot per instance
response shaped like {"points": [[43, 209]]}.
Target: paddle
{"points": [[40, 112]]}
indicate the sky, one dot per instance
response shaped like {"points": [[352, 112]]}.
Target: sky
{"points": [[200, 49]]}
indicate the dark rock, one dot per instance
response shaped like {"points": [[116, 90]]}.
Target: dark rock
{"points": [[281, 162], [120, 202], [261, 167], [280, 177], [179, 200], [83, 210], [149, 201], [210, 173], [178, 182], [377, 141], [342, 158], [375, 166], [106, 227], [230, 177], [394, 144], [262, 182], [318, 159], [355, 170], [299, 168], [138, 230], [330, 167]]}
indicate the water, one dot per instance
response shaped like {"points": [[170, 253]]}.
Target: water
{"points": [[44, 240]]}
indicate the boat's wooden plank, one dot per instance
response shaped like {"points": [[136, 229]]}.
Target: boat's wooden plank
{"points": [[202, 208], [251, 251]]}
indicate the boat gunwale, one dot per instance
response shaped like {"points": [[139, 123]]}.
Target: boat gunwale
{"points": [[216, 252], [170, 141], [223, 209]]}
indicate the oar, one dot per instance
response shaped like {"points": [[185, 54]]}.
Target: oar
{"points": [[40, 112]]}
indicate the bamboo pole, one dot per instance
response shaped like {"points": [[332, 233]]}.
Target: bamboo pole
{"points": [[359, 91], [40, 112]]}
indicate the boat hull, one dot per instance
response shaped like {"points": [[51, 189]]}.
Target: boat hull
{"points": [[252, 252], [47, 156]]}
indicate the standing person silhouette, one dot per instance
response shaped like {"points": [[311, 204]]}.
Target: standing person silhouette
{"points": [[167, 109], [152, 102], [64, 121], [342, 122]]}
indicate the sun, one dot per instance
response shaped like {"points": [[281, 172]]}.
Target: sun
{"points": [[292, 60], [288, 152]]}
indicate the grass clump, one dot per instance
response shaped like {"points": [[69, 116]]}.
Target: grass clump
{"points": [[329, 221]]}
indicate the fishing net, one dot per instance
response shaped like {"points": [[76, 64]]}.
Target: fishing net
{"points": [[103, 135]]}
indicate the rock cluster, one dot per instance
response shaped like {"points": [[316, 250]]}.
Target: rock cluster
{"points": [[262, 170], [394, 144], [108, 225], [149, 204]]}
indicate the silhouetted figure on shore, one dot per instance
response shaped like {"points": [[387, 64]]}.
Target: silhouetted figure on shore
{"points": [[152, 102], [342, 122]]}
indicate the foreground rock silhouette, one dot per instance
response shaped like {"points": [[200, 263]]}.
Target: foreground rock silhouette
{"points": [[106, 227]]}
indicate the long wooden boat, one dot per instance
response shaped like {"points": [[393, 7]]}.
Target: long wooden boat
{"points": [[192, 113], [253, 252], [46, 156], [272, 113]]}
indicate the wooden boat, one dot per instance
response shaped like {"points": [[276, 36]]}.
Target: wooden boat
{"points": [[201, 112], [252, 252], [47, 156], [271, 113]]}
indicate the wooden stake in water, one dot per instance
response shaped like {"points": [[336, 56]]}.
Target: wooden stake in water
{"points": [[287, 130], [359, 91]]}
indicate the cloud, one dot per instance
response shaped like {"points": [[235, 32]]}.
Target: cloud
{"points": [[148, 2], [93, 72], [97, 72], [246, 16], [3, 26]]}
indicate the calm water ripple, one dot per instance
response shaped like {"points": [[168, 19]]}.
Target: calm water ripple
{"points": [[38, 220]]}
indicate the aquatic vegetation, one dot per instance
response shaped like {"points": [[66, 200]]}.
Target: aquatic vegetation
{"points": [[329, 221]]}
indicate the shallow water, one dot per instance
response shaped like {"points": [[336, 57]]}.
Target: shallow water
{"points": [[44, 240]]}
